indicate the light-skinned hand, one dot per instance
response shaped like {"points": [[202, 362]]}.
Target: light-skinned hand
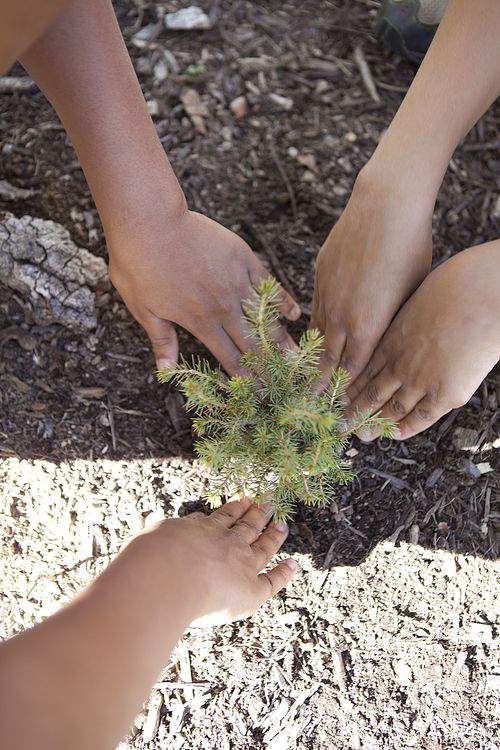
{"points": [[222, 558]]}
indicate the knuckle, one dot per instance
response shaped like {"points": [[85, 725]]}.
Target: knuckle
{"points": [[222, 515], [330, 357], [274, 535], [397, 407], [261, 547], [280, 578], [422, 414], [267, 577], [252, 528], [160, 341], [370, 368], [349, 363], [434, 394], [372, 393]]}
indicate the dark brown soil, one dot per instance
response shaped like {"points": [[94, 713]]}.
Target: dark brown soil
{"points": [[423, 495]]}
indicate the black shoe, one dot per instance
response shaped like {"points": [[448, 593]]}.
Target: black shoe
{"points": [[407, 27]]}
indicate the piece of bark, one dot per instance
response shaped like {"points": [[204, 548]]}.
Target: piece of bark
{"points": [[10, 192], [195, 108], [59, 280]]}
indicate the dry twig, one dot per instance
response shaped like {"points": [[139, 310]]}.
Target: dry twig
{"points": [[366, 75]]}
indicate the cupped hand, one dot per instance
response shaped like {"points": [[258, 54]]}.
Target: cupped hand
{"points": [[191, 271], [441, 345], [222, 558], [376, 255]]}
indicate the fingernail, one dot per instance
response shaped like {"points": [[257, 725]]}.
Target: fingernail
{"points": [[292, 564], [365, 436], [345, 400], [165, 364], [296, 312], [396, 433], [281, 526]]}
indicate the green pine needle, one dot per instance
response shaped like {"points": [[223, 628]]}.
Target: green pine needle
{"points": [[269, 434]]}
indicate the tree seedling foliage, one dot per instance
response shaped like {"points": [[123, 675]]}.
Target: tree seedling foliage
{"points": [[269, 433]]}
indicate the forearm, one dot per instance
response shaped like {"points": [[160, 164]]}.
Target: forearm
{"points": [[82, 675], [82, 65], [457, 81], [22, 21]]}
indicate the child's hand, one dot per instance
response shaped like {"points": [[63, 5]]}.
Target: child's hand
{"points": [[374, 257], [217, 560], [198, 570], [191, 271]]}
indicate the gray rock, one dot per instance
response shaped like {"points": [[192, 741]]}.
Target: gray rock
{"points": [[16, 84], [59, 280], [188, 18]]}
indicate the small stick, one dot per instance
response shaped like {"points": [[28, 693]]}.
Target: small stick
{"points": [[185, 669], [482, 146], [172, 685], [366, 75], [152, 722], [111, 418], [284, 177], [338, 664]]}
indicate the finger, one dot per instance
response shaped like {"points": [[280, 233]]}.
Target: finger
{"points": [[268, 543], [374, 396], [277, 578], [334, 344], [288, 306], [223, 347], [355, 358], [375, 366], [229, 513], [316, 316], [241, 334], [425, 413], [163, 337], [250, 526], [401, 403]]}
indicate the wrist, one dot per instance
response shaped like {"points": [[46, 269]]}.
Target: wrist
{"points": [[391, 183], [172, 568], [148, 198], [148, 216], [146, 583], [411, 159]]}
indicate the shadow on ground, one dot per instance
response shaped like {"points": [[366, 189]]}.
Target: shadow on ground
{"points": [[64, 399]]}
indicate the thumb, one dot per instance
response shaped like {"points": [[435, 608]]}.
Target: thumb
{"points": [[289, 308], [164, 341]]}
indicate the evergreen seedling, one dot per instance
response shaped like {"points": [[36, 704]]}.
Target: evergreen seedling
{"points": [[269, 434]]}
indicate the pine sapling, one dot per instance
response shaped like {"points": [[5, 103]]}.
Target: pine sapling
{"points": [[269, 433]]}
